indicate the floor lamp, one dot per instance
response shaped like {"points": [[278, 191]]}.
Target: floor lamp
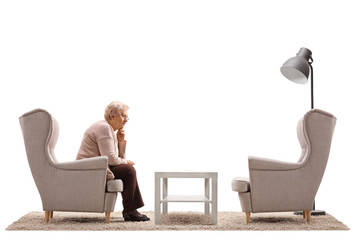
{"points": [[297, 69]]}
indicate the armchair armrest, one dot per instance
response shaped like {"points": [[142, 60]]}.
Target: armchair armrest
{"points": [[81, 182], [94, 163], [258, 163]]}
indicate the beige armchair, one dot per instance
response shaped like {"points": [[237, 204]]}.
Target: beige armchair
{"points": [[276, 186], [74, 186]]}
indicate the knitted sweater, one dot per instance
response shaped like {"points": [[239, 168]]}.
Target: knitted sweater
{"points": [[100, 140]]}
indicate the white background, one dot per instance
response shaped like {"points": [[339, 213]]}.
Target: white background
{"points": [[203, 84]]}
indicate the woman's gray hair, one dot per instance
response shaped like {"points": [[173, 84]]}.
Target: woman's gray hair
{"points": [[115, 108]]}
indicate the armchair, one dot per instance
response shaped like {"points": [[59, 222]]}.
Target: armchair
{"points": [[74, 186], [276, 186]]}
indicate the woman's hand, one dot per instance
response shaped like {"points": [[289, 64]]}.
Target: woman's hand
{"points": [[109, 174], [130, 162], [120, 135]]}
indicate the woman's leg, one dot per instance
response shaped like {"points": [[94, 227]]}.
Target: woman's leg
{"points": [[131, 195]]}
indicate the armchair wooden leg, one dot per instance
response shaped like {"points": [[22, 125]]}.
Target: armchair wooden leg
{"points": [[304, 214], [47, 215], [308, 216], [51, 214], [107, 215], [247, 217]]}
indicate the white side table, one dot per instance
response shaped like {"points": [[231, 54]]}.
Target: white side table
{"points": [[186, 198]]}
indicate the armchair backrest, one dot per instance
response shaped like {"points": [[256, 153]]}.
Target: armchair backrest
{"points": [[315, 131], [40, 132]]}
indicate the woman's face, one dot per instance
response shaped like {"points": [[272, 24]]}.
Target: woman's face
{"points": [[119, 121]]}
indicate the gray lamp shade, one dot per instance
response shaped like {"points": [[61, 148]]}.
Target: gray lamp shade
{"points": [[297, 69]]}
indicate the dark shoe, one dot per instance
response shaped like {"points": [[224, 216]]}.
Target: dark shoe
{"points": [[132, 218]]}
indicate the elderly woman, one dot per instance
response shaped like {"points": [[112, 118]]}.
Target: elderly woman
{"points": [[100, 140]]}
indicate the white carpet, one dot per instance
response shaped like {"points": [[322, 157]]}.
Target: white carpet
{"points": [[183, 221]]}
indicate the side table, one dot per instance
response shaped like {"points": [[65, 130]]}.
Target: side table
{"points": [[205, 198]]}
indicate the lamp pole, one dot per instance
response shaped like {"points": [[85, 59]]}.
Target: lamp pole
{"points": [[314, 212], [312, 83]]}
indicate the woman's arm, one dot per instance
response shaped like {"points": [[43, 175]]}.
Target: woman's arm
{"points": [[122, 145], [120, 135], [107, 148]]}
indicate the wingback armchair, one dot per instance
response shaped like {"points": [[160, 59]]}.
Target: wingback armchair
{"points": [[277, 186], [73, 186]]}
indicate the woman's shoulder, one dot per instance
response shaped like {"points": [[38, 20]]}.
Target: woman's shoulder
{"points": [[101, 128]]}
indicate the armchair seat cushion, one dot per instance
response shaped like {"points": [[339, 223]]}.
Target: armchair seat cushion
{"points": [[115, 185], [240, 184]]}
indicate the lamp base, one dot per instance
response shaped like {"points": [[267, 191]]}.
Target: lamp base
{"points": [[313, 213]]}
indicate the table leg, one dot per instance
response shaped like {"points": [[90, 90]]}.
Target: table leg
{"points": [[207, 195], [165, 194], [157, 200], [214, 200]]}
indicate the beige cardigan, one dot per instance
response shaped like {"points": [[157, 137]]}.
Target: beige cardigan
{"points": [[100, 140]]}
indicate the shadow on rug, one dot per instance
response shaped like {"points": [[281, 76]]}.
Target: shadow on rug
{"points": [[181, 221]]}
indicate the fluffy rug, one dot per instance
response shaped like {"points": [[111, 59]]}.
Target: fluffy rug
{"points": [[183, 221]]}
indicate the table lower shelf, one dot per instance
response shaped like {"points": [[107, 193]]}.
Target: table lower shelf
{"points": [[186, 198]]}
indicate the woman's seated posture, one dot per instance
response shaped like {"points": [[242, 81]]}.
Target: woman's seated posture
{"points": [[100, 139]]}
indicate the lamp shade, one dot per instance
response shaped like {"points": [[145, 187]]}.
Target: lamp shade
{"points": [[296, 68]]}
